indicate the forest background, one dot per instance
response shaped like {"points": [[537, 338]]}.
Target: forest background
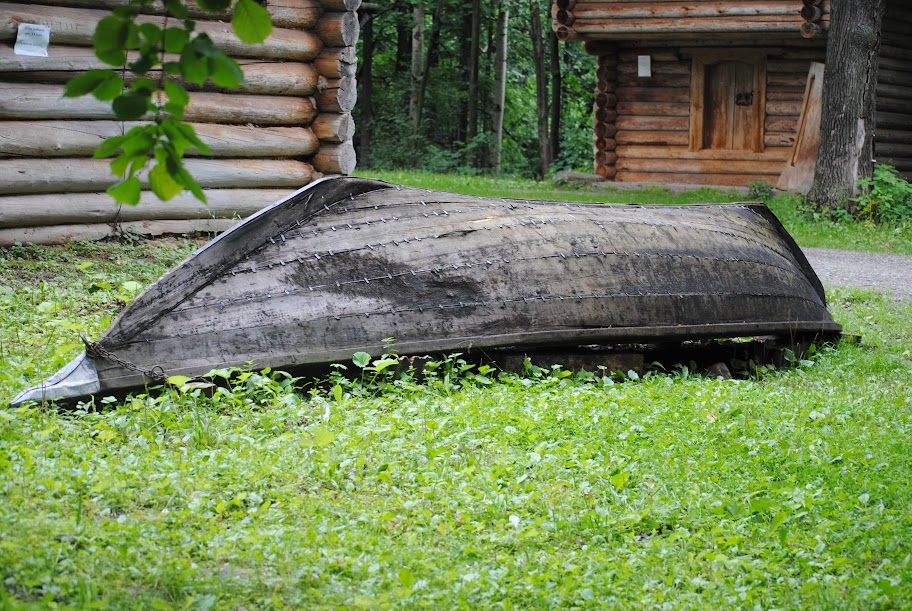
{"points": [[430, 80]]}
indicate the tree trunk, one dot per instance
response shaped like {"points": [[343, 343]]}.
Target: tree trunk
{"points": [[472, 111], [366, 81], [556, 87], [403, 39], [849, 99], [500, 88], [541, 88], [433, 55], [417, 65]]}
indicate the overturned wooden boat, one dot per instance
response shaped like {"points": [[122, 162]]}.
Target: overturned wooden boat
{"points": [[345, 263]]}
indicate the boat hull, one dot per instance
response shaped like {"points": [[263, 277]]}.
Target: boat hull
{"points": [[347, 265]]}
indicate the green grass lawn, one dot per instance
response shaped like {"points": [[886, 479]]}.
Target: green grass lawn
{"points": [[788, 489]]}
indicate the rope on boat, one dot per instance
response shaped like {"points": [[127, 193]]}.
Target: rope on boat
{"points": [[94, 350]]}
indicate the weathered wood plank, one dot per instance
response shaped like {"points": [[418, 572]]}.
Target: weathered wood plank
{"points": [[18, 211], [38, 101], [80, 138], [29, 175], [73, 26], [731, 180]]}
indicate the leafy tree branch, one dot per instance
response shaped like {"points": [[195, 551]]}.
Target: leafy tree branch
{"points": [[182, 56]]}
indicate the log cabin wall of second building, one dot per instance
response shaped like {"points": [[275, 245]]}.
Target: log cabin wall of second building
{"points": [[642, 124], [893, 134], [289, 124]]}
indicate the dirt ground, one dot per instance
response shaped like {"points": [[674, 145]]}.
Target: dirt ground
{"points": [[878, 271]]}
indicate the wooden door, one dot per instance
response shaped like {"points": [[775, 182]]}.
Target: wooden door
{"points": [[728, 121], [728, 100]]}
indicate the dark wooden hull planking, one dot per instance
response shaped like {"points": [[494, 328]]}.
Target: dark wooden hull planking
{"points": [[343, 264]]}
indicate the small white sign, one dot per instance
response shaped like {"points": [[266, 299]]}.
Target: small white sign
{"points": [[644, 65], [33, 39]]}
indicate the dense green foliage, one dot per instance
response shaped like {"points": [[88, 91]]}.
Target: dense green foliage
{"points": [[160, 94], [441, 144], [885, 197], [468, 489]]}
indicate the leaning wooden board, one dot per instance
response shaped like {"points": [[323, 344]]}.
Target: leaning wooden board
{"points": [[344, 264]]}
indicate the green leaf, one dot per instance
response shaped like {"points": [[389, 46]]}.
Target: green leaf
{"points": [[190, 184], [142, 64], [619, 480], [178, 380], [176, 8], [109, 88], [193, 66], [110, 40], [251, 22], [86, 82], [225, 72], [130, 106], [139, 141], [321, 437], [126, 191], [176, 39], [150, 32], [406, 577], [176, 93], [189, 133], [361, 359], [162, 184]]}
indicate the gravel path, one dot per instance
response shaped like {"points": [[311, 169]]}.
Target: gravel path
{"points": [[878, 271]]}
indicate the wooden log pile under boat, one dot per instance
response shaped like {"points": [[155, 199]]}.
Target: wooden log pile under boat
{"points": [[345, 263]]}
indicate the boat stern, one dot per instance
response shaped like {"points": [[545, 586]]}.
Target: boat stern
{"points": [[76, 380]]}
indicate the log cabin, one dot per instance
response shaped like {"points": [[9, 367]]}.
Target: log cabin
{"points": [[725, 92], [289, 124]]}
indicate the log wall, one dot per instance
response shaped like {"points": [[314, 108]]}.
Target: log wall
{"points": [[647, 133], [289, 124], [623, 20], [893, 135]]}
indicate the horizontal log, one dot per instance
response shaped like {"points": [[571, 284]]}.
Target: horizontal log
{"points": [[892, 120], [779, 139], [81, 138], [788, 66], [565, 33], [648, 11], [665, 109], [606, 171], [889, 90], [649, 123], [630, 79], [295, 14], [18, 101], [895, 64], [335, 158], [657, 55], [70, 208], [781, 124], [688, 178], [261, 76], [605, 130], [341, 5], [895, 77], [73, 26], [657, 68], [659, 138], [620, 28], [333, 128], [893, 104], [337, 62], [893, 150], [604, 115], [700, 166], [29, 175], [780, 109], [338, 29], [654, 94], [607, 158], [785, 94], [605, 100], [895, 51], [337, 95], [899, 136], [778, 155], [604, 144], [786, 80], [62, 234]]}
